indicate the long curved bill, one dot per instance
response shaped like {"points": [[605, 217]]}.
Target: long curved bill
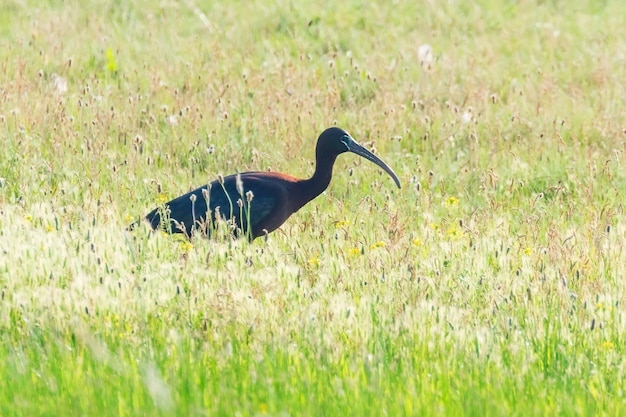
{"points": [[356, 148]]}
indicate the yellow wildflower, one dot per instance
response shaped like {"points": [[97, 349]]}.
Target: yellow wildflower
{"points": [[451, 201], [313, 262], [455, 233], [379, 244], [341, 223]]}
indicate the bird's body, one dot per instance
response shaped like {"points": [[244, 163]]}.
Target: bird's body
{"points": [[266, 199], [274, 198]]}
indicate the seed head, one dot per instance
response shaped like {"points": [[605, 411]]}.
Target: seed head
{"points": [[239, 184], [249, 196]]}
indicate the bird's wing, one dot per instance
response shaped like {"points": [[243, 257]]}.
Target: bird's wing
{"points": [[269, 204]]}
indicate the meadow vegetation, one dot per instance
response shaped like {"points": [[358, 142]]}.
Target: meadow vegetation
{"points": [[491, 284]]}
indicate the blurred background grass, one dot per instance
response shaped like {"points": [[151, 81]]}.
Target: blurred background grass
{"points": [[491, 284]]}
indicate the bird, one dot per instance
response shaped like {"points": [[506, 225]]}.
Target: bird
{"points": [[257, 203]]}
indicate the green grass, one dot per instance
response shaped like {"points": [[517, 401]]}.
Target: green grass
{"points": [[491, 284]]}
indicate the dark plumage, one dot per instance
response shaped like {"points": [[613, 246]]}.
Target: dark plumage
{"points": [[273, 197]]}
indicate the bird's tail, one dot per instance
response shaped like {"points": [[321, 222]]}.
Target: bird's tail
{"points": [[153, 218]]}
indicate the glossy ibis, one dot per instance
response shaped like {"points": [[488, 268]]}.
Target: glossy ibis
{"points": [[264, 200]]}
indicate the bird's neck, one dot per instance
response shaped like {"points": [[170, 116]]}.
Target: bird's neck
{"points": [[315, 185]]}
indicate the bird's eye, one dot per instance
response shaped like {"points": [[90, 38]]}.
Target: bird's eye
{"points": [[346, 141]]}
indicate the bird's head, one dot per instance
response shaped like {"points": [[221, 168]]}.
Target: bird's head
{"points": [[334, 141]]}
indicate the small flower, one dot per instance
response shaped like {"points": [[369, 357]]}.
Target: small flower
{"points": [[315, 262], [451, 201], [528, 250], [608, 345], [379, 244], [355, 252], [417, 242], [425, 55], [28, 218], [128, 218], [467, 116], [172, 120], [434, 226], [186, 246], [454, 233], [341, 223], [49, 228], [161, 198], [59, 83]]}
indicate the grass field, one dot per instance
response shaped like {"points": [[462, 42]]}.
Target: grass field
{"points": [[491, 284]]}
